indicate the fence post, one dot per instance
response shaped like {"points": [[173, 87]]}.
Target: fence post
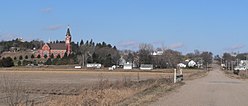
{"points": [[175, 75], [138, 76]]}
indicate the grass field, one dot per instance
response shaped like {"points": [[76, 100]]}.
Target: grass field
{"points": [[40, 84]]}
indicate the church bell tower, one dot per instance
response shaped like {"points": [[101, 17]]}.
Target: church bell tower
{"points": [[68, 41]]}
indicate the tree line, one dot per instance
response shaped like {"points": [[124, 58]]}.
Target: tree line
{"points": [[168, 59], [228, 57], [91, 52], [21, 45]]}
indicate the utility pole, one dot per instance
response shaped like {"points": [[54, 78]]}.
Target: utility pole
{"points": [[83, 60], [228, 66]]}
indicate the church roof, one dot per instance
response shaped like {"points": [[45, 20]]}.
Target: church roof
{"points": [[57, 46]]}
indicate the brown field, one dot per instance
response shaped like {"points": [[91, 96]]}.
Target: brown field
{"points": [[47, 83]]}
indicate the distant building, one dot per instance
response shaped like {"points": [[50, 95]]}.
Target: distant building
{"points": [[128, 66], [146, 66], [122, 61], [156, 53], [57, 48], [181, 65], [191, 63], [243, 63], [234, 54], [93, 65]]}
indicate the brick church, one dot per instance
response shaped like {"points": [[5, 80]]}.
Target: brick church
{"points": [[57, 48]]}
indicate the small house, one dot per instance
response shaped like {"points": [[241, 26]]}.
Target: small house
{"points": [[191, 63], [128, 66]]}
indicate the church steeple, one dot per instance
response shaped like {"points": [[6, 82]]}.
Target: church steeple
{"points": [[68, 33], [68, 41]]}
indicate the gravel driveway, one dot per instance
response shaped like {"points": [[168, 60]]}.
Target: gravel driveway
{"points": [[213, 90]]}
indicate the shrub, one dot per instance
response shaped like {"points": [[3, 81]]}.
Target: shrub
{"points": [[20, 57], [26, 57], [38, 56], [7, 62]]}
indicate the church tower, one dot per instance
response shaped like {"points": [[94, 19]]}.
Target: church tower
{"points": [[68, 41]]}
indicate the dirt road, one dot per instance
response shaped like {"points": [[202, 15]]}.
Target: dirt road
{"points": [[213, 90]]}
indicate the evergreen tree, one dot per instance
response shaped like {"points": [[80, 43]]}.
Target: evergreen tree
{"points": [[78, 44], [91, 42], [26, 57], [32, 56], [58, 56], [108, 62], [81, 42], [19, 63], [114, 48], [104, 44], [87, 43], [20, 57], [109, 45], [7, 62], [38, 56], [45, 56], [65, 55], [48, 62], [95, 57], [52, 56]]}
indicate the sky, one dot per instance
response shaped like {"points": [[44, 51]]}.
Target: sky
{"points": [[184, 25]]}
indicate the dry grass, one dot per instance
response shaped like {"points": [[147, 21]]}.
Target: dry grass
{"points": [[93, 88], [242, 75], [106, 93], [106, 97], [195, 75], [13, 91], [103, 93]]}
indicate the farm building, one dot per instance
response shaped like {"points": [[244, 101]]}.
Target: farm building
{"points": [[146, 66], [94, 65]]}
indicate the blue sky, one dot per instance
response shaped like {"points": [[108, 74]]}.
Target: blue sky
{"points": [[184, 25]]}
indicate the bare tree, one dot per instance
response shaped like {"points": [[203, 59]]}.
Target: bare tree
{"points": [[172, 58], [145, 51], [207, 57]]}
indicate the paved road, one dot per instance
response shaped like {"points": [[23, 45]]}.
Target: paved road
{"points": [[213, 90]]}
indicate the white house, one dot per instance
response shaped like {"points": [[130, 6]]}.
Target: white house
{"points": [[128, 66], [181, 65], [122, 61], [191, 63], [156, 53]]}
